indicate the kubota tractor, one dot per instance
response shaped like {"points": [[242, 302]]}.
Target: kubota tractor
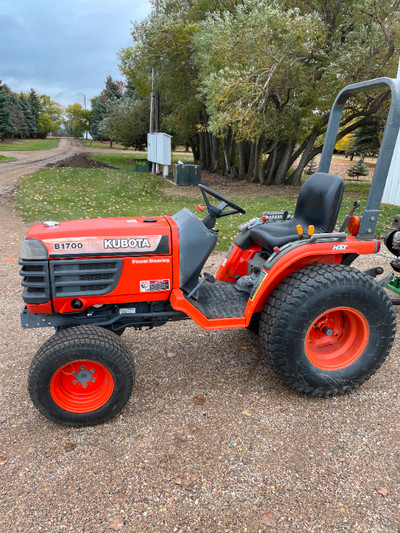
{"points": [[324, 326]]}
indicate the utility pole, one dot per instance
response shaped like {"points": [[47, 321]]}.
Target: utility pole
{"points": [[84, 107], [154, 103], [154, 98]]}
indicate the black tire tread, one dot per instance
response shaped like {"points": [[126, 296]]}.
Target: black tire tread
{"points": [[289, 295], [61, 342]]}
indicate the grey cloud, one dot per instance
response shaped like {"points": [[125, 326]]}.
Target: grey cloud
{"points": [[64, 48]]}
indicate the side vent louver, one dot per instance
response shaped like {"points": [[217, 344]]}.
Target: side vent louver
{"points": [[84, 278], [35, 281]]}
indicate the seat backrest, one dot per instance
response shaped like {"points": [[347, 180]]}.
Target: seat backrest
{"points": [[319, 201]]}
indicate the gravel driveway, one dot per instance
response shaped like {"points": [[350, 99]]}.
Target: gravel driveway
{"points": [[211, 441]]}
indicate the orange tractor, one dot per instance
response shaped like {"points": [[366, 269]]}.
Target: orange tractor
{"points": [[324, 326]]}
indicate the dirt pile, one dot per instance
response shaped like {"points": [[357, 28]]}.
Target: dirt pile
{"points": [[81, 160]]}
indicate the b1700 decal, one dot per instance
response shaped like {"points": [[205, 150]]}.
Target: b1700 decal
{"points": [[92, 245]]}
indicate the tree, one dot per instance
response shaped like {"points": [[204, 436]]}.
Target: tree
{"points": [[17, 116], [113, 90], [366, 140], [108, 126], [51, 115], [311, 168], [102, 105], [7, 127], [238, 78], [358, 169], [127, 122], [29, 129], [34, 108], [99, 111], [77, 120]]}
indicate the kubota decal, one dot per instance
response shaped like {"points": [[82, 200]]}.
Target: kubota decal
{"points": [[154, 285], [137, 242]]}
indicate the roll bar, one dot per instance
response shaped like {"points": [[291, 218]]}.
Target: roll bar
{"points": [[371, 211]]}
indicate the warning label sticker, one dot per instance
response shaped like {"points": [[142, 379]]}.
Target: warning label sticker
{"points": [[154, 285]]}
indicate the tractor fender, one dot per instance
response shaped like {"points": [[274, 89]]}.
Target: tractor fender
{"points": [[299, 255]]}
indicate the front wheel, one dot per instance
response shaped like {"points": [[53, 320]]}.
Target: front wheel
{"points": [[81, 376], [326, 329]]}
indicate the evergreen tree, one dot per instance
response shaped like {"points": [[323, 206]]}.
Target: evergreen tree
{"points": [[34, 106], [99, 111], [17, 116], [130, 90], [113, 90], [103, 105], [359, 169], [7, 128], [366, 140], [311, 168], [29, 121]]}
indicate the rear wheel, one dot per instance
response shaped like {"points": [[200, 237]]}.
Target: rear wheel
{"points": [[326, 329], [81, 376]]}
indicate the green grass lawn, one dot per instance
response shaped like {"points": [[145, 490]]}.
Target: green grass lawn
{"points": [[69, 193], [29, 145], [3, 158], [120, 161], [106, 144]]}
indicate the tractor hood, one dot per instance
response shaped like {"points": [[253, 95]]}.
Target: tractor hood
{"points": [[99, 237]]}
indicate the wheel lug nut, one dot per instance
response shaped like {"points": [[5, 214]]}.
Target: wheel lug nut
{"points": [[84, 385], [74, 382], [82, 367], [92, 371], [93, 380]]}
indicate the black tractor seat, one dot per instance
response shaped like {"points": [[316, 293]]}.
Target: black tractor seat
{"points": [[318, 205]]}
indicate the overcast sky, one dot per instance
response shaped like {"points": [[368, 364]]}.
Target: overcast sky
{"points": [[64, 48]]}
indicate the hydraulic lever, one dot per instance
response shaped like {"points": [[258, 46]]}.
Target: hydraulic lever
{"points": [[355, 206]]}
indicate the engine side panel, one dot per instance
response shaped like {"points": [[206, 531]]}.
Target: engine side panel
{"points": [[99, 262]]}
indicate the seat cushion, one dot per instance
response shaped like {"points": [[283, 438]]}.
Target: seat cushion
{"points": [[275, 233]]}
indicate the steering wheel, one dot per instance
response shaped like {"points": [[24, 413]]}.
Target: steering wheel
{"points": [[217, 211]]}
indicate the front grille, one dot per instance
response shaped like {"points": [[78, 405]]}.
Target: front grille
{"points": [[84, 278], [35, 281]]}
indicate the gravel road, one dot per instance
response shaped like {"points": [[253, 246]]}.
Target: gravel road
{"points": [[211, 441]]}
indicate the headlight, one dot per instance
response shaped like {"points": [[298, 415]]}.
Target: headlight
{"points": [[33, 249]]}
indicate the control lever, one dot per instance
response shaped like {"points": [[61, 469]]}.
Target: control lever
{"points": [[356, 204], [299, 229], [207, 277]]}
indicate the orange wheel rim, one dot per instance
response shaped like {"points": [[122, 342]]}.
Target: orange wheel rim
{"points": [[81, 386], [337, 338]]}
